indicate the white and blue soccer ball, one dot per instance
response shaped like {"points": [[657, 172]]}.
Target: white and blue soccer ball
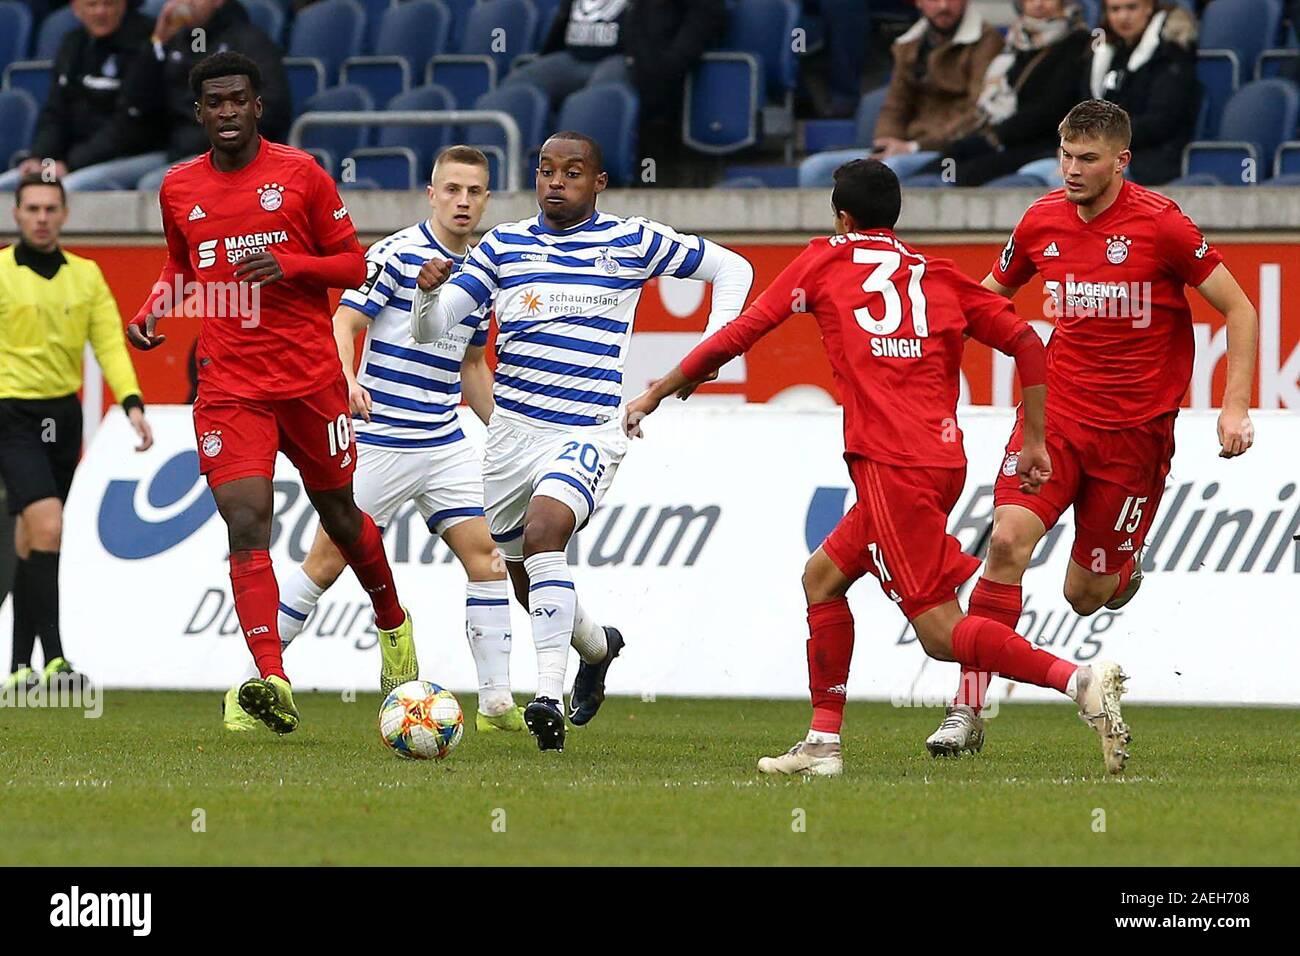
{"points": [[421, 721]]}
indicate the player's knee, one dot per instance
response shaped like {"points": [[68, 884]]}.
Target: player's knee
{"points": [[1082, 599], [341, 520], [248, 527], [819, 585], [1009, 549], [544, 533], [45, 534]]}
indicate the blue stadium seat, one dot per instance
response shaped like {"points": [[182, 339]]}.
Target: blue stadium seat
{"points": [[331, 31], [772, 177], [51, 33], [721, 103], [1286, 161], [382, 76], [306, 76], [525, 103], [608, 113], [459, 10], [820, 135], [416, 30], [15, 32], [465, 77], [268, 16], [1272, 63], [1257, 120], [388, 167], [17, 124], [1246, 27], [764, 28], [374, 10], [508, 24], [33, 76], [1220, 74], [546, 12], [338, 141], [423, 141]]}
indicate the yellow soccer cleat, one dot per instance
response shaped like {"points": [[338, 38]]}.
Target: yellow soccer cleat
{"points": [[397, 653], [234, 717], [270, 700], [510, 720]]}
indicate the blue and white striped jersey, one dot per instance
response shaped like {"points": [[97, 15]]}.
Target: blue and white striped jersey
{"points": [[565, 304], [414, 388]]}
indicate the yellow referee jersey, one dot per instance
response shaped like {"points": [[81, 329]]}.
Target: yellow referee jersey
{"points": [[45, 324]]}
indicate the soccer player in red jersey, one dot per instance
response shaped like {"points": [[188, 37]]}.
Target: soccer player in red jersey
{"points": [[893, 323], [259, 233], [1115, 260]]}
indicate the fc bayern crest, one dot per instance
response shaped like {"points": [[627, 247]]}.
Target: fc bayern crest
{"points": [[1117, 249], [271, 196], [1011, 464], [607, 262], [211, 443]]}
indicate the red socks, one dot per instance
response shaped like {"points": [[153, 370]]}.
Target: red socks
{"points": [[370, 565], [997, 602], [830, 648], [985, 645], [257, 601], [1125, 575]]}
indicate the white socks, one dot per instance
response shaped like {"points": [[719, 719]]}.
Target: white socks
{"points": [[552, 602], [487, 626], [588, 637], [298, 597], [818, 737]]}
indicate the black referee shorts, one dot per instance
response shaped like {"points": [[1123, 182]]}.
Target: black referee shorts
{"points": [[40, 445]]}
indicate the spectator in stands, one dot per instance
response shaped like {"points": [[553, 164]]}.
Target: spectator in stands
{"points": [[159, 107], [651, 44], [1148, 66], [1029, 86], [939, 67], [75, 128]]}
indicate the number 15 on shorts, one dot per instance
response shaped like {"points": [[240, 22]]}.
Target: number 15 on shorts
{"points": [[1132, 510]]}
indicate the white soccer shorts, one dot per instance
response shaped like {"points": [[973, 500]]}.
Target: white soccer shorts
{"points": [[445, 483], [575, 466]]}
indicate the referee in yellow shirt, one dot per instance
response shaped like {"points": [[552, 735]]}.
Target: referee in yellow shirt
{"points": [[51, 304]]}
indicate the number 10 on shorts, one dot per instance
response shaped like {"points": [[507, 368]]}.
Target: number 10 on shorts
{"points": [[1132, 509], [340, 434]]}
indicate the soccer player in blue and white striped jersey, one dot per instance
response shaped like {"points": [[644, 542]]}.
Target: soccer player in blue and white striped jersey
{"points": [[409, 441], [566, 285]]}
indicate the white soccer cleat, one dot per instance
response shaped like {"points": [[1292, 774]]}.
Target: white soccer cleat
{"points": [[1100, 687], [815, 760], [962, 730]]}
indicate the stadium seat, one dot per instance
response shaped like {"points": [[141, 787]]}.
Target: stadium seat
{"points": [[33, 76], [51, 33], [415, 30], [1246, 27], [306, 76], [1272, 63], [546, 12], [15, 32], [500, 29], [423, 141], [721, 103], [268, 16], [388, 167], [1256, 121], [1286, 161], [465, 77], [459, 10], [763, 29], [382, 76], [331, 31], [1220, 74], [338, 141], [608, 113], [821, 135], [772, 177], [17, 124], [526, 104], [374, 11]]}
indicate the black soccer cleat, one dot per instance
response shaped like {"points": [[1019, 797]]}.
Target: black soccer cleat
{"points": [[546, 722], [589, 686]]}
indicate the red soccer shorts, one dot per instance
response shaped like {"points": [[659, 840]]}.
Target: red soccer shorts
{"points": [[1113, 477], [238, 437], [898, 531]]}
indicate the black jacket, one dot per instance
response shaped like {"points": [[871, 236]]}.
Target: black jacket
{"points": [[1047, 93], [1162, 97], [663, 39], [75, 124], [160, 106]]}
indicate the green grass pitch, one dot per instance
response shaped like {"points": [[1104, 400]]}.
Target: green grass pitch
{"points": [[664, 782]]}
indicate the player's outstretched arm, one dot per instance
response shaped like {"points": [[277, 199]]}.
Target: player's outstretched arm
{"points": [[1220, 289], [437, 306], [731, 276]]}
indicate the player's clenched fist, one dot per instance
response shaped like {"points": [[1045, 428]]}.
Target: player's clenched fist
{"points": [[261, 268], [1034, 468], [1236, 432], [433, 274]]}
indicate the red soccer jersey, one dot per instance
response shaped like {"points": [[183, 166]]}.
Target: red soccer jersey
{"points": [[1122, 351], [893, 323], [281, 202]]}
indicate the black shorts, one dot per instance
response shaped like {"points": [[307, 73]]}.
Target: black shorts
{"points": [[40, 445]]}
